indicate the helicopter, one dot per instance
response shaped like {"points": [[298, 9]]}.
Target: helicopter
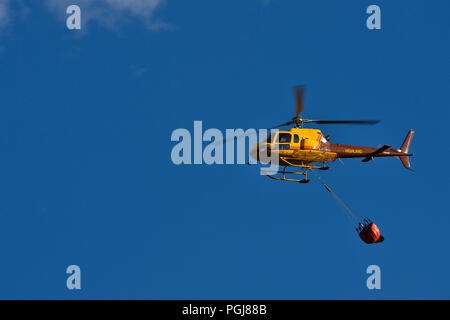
{"points": [[305, 148]]}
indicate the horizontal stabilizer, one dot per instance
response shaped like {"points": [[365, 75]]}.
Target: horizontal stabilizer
{"points": [[373, 154]]}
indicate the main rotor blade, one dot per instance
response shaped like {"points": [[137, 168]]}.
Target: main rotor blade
{"points": [[284, 124], [299, 94], [342, 121]]}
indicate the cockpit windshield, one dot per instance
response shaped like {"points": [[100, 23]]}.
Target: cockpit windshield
{"points": [[270, 137]]}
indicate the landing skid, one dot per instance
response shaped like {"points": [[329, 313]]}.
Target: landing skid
{"points": [[270, 174], [287, 179]]}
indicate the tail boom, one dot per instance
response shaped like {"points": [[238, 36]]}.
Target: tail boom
{"points": [[369, 153]]}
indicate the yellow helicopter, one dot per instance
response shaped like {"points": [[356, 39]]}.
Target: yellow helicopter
{"points": [[306, 149]]}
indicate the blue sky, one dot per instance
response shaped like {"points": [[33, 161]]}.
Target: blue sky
{"points": [[86, 179]]}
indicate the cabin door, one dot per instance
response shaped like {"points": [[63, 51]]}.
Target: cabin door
{"points": [[295, 142]]}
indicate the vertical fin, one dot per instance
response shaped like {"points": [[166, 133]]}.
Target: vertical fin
{"points": [[405, 161], [407, 142], [405, 149]]}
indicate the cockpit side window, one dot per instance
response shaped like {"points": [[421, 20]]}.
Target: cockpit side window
{"points": [[296, 138], [284, 138]]}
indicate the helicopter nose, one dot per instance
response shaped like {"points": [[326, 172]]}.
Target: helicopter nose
{"points": [[260, 152], [254, 152]]}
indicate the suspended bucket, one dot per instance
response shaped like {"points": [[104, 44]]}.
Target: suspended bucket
{"points": [[369, 232]]}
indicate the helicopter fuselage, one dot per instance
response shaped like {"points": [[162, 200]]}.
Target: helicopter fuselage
{"points": [[300, 146]]}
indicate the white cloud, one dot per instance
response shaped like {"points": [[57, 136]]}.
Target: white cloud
{"points": [[4, 13], [111, 13]]}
